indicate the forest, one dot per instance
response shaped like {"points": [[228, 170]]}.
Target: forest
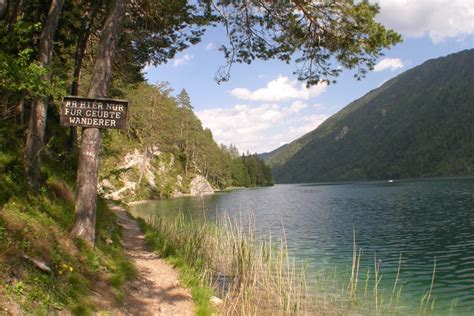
{"points": [[33, 82]]}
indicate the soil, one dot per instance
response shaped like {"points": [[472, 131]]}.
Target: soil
{"points": [[156, 290]]}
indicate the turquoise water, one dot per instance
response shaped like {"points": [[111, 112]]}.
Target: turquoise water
{"points": [[422, 220]]}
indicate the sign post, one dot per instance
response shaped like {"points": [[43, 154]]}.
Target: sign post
{"points": [[93, 114], [99, 113]]}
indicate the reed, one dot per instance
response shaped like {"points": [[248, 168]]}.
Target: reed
{"points": [[257, 276]]}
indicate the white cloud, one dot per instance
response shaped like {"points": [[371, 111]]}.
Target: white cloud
{"points": [[306, 124], [186, 58], [389, 63], [280, 89], [439, 19], [317, 106], [211, 46], [259, 128], [297, 106]]}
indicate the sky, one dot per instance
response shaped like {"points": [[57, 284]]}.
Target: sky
{"points": [[263, 106]]}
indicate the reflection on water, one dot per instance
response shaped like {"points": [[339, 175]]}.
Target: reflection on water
{"points": [[419, 219]]}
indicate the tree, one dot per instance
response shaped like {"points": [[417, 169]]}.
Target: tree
{"points": [[88, 172], [148, 141], [320, 35], [87, 22], [183, 100], [157, 30], [37, 122], [3, 8]]}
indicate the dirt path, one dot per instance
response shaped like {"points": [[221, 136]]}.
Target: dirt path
{"points": [[157, 290]]}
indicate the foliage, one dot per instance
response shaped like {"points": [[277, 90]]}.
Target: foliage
{"points": [[168, 134], [19, 75], [37, 226], [160, 29], [320, 36], [416, 124], [259, 174]]}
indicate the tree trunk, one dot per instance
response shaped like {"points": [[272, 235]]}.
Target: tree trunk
{"points": [[20, 111], [187, 159], [88, 172], [81, 46], [148, 142], [37, 122], [12, 14], [3, 8], [142, 168]]}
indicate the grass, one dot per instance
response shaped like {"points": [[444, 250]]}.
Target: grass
{"points": [[251, 279], [35, 227], [256, 276], [190, 272], [29, 228]]}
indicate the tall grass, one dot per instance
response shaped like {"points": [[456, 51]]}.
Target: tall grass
{"points": [[257, 276]]}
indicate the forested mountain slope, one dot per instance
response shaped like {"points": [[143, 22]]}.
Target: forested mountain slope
{"points": [[419, 123], [167, 152]]}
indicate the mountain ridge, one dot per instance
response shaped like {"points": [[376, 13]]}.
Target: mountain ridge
{"points": [[415, 124]]}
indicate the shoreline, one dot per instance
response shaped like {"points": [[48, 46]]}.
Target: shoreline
{"points": [[228, 189]]}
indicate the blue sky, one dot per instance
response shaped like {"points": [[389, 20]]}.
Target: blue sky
{"points": [[263, 106]]}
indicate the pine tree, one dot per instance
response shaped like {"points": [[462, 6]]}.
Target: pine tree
{"points": [[37, 122]]}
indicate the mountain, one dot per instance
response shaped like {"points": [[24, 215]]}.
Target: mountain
{"points": [[420, 123]]}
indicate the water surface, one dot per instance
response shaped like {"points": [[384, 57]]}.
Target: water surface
{"points": [[424, 221]]}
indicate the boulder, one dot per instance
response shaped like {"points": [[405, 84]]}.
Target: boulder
{"points": [[200, 186]]}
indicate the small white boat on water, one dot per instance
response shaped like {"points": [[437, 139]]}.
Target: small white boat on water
{"points": [[390, 181]]}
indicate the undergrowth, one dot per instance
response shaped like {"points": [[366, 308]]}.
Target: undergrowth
{"points": [[43, 269]]}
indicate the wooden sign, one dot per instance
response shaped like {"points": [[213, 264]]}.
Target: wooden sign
{"points": [[99, 113]]}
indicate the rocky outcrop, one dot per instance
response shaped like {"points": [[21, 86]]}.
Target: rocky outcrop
{"points": [[342, 133], [140, 176], [117, 195], [143, 163], [200, 186]]}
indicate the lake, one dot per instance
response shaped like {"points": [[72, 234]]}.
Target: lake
{"points": [[427, 222]]}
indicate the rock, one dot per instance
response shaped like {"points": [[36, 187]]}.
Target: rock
{"points": [[132, 159], [177, 193], [216, 301], [140, 161], [116, 196], [342, 133], [200, 186], [39, 264], [159, 175], [105, 186], [179, 180]]}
